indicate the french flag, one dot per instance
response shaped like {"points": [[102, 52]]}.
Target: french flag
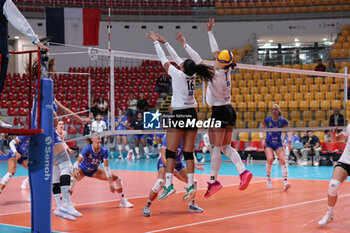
{"points": [[77, 26]]}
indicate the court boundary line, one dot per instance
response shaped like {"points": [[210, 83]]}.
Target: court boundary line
{"points": [[244, 214], [131, 198]]}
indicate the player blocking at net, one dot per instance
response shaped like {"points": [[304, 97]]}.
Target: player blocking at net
{"points": [[184, 106], [219, 97], [88, 163]]}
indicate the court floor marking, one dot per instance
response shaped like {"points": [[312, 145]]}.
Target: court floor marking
{"points": [[245, 214], [130, 198]]}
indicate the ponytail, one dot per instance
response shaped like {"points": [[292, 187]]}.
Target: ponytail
{"points": [[206, 73], [232, 66]]}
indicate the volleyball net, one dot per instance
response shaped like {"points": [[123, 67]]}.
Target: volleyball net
{"points": [[306, 98]]}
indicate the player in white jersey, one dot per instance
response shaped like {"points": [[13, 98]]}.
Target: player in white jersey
{"points": [[219, 97], [206, 146], [62, 166], [184, 112], [340, 174]]}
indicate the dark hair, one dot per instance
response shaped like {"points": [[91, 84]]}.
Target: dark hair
{"points": [[206, 73], [232, 65], [34, 67], [331, 63], [88, 141]]}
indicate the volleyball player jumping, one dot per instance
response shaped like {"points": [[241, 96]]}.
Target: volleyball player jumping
{"points": [[219, 97], [184, 104]]}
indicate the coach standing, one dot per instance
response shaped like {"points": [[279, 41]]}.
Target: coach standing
{"points": [[10, 13]]}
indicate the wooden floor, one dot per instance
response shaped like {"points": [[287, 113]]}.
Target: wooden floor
{"points": [[230, 210]]}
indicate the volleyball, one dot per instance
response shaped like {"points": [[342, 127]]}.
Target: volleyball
{"points": [[225, 57]]}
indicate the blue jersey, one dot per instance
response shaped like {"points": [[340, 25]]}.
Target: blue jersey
{"points": [[91, 159], [22, 146], [274, 137], [121, 126], [179, 153]]}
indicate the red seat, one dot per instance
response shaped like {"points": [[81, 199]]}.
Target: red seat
{"points": [[24, 104], [22, 112], [72, 129], [254, 144], [81, 129], [15, 121], [4, 103], [333, 147], [11, 111], [324, 147], [14, 104]]}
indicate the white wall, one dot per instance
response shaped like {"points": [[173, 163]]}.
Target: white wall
{"points": [[228, 35]]}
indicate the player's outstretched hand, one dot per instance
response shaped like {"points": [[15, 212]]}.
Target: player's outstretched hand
{"points": [[210, 24], [42, 47], [151, 35], [198, 166], [161, 39], [180, 38]]}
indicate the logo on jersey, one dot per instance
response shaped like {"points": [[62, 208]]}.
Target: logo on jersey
{"points": [[152, 120]]}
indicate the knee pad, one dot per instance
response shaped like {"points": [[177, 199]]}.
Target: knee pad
{"points": [[56, 173], [158, 185], [65, 180], [169, 154], [66, 168], [224, 149], [120, 148], [333, 188], [188, 155], [56, 188], [204, 150]]}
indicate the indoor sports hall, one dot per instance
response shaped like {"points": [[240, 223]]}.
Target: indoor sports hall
{"points": [[174, 116]]}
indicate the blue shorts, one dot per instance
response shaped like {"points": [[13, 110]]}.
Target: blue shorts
{"points": [[88, 172], [121, 135], [178, 166], [20, 160], [139, 136], [160, 135], [274, 146]]}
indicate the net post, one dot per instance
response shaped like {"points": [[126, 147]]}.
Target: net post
{"points": [[345, 92], [30, 91], [112, 94], [40, 161]]}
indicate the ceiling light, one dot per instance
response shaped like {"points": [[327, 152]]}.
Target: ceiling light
{"points": [[270, 41], [296, 40], [16, 37], [324, 39]]}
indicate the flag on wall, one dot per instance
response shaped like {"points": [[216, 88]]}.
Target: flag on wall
{"points": [[77, 26]]}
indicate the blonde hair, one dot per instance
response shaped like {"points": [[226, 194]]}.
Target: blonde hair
{"points": [[278, 107]]}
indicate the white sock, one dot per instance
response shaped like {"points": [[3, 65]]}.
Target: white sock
{"points": [[58, 200], [137, 150], [190, 177], [73, 181], [6, 178], [120, 148], [146, 150], [159, 146], [284, 169], [168, 179], [235, 158], [66, 195], [268, 170], [330, 209], [127, 148], [215, 164], [25, 181]]}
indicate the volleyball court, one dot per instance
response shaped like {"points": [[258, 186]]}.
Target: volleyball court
{"points": [[305, 98]]}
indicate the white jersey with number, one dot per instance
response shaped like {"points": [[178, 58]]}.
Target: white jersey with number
{"points": [[219, 90], [206, 139], [345, 157], [183, 89]]}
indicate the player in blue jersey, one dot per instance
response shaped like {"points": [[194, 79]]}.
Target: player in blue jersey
{"points": [[121, 123], [88, 163], [180, 172], [138, 125], [274, 143], [18, 154]]}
